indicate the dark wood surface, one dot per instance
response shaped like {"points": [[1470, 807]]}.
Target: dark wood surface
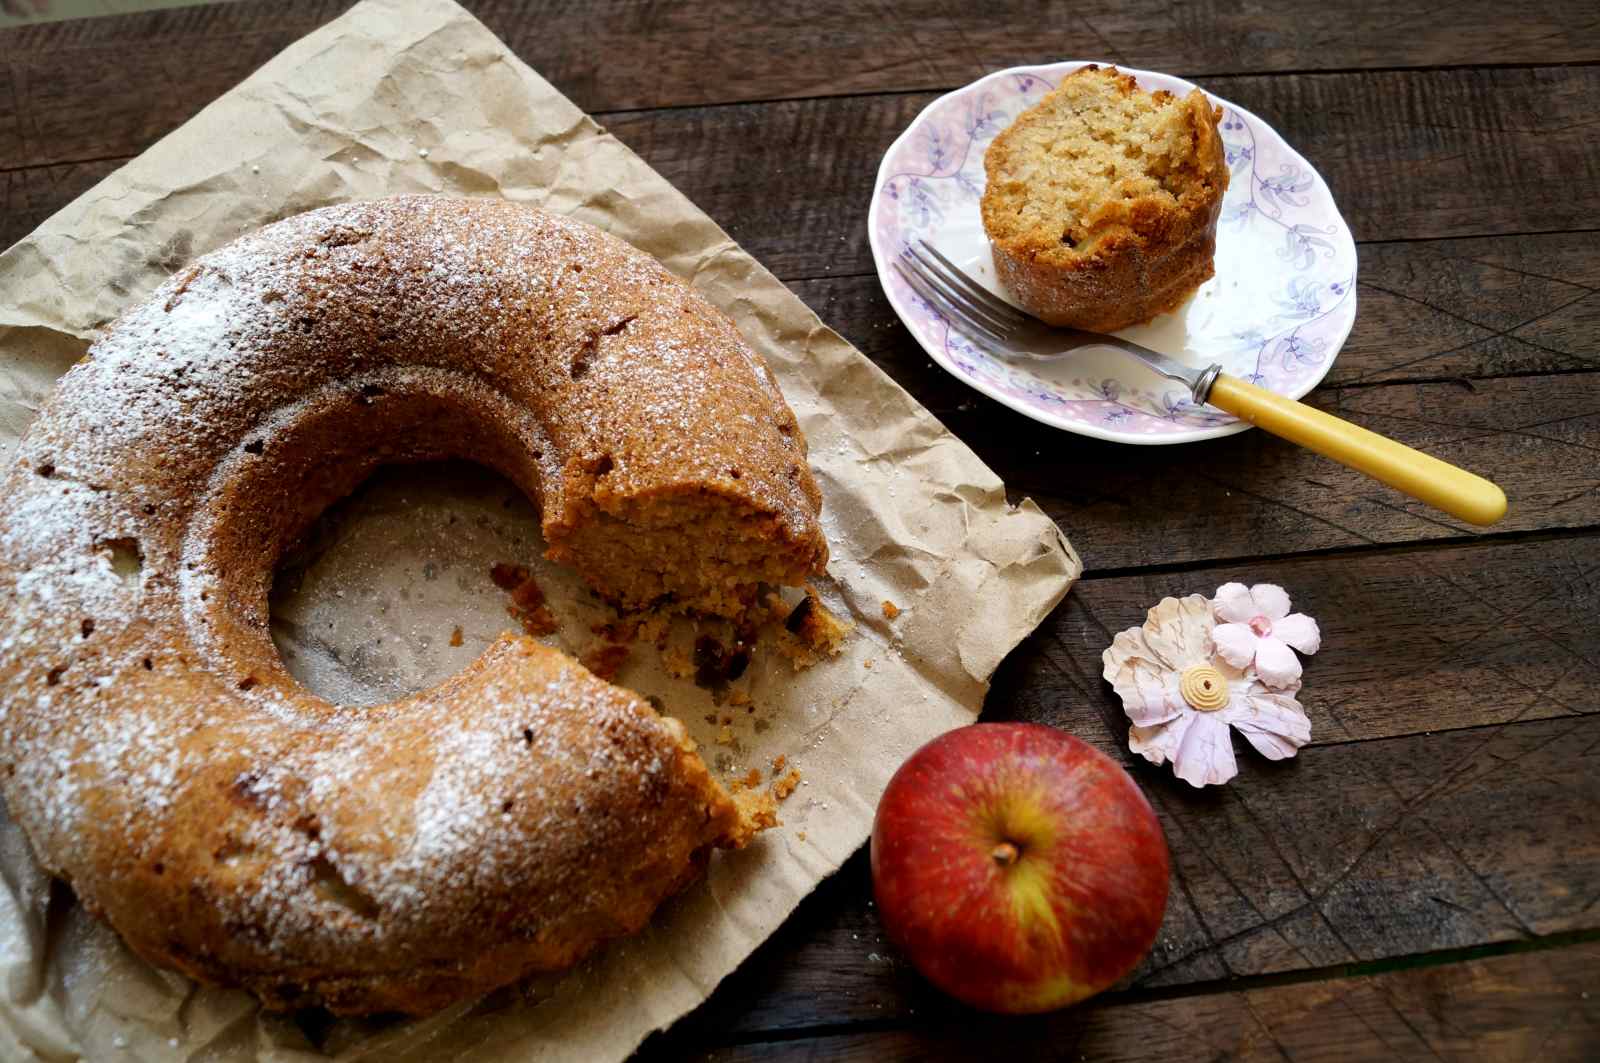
{"points": [[1423, 881]]}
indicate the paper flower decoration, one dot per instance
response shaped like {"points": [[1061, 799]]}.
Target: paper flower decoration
{"points": [[1183, 698], [1258, 630]]}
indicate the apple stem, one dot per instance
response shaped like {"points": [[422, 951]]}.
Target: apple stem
{"points": [[1005, 854]]}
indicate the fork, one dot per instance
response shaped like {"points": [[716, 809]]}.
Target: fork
{"points": [[999, 328]]}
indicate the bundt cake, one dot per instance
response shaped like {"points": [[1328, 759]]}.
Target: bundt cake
{"points": [[397, 857]]}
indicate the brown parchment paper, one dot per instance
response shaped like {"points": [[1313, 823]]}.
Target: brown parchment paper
{"points": [[405, 96]]}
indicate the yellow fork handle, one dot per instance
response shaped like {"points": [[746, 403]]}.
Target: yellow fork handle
{"points": [[1439, 484]]}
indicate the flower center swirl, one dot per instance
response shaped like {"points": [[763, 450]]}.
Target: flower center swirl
{"points": [[1203, 687]]}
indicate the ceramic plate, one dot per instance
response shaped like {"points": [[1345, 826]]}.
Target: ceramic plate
{"points": [[1276, 313]]}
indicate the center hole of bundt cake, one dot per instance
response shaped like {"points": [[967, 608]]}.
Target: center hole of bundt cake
{"points": [[403, 583]]}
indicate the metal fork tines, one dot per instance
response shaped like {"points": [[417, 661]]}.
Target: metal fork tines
{"points": [[1001, 329]]}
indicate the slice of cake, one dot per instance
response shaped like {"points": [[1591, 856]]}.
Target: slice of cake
{"points": [[1102, 200]]}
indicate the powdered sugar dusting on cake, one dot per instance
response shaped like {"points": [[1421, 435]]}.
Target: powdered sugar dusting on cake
{"points": [[144, 736]]}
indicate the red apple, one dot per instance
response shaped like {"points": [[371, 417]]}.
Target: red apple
{"points": [[1017, 867]]}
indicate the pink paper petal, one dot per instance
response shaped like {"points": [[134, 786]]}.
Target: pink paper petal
{"points": [[1178, 630], [1152, 706], [1236, 644], [1276, 663], [1299, 631], [1234, 604], [1274, 723], [1159, 744], [1121, 661], [1205, 755], [1272, 601]]}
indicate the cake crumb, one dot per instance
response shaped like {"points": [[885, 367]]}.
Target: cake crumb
{"points": [[782, 788], [605, 660], [752, 778], [539, 622], [757, 812], [528, 595], [739, 698], [622, 629], [654, 628], [725, 736], [507, 576], [716, 665], [810, 632], [777, 611], [677, 662], [890, 610], [800, 834], [527, 599], [455, 636], [778, 762], [867, 663]]}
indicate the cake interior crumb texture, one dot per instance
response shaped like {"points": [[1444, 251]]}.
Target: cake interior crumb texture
{"points": [[1102, 201], [1086, 154]]}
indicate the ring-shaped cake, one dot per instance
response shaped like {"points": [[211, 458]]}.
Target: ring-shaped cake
{"points": [[229, 823]]}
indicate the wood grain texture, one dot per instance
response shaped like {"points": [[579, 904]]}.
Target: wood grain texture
{"points": [[1446, 309], [1407, 155], [1529, 1005], [729, 50], [28, 197], [1253, 494], [11, 147], [1419, 641], [1352, 853], [733, 50], [1431, 310]]}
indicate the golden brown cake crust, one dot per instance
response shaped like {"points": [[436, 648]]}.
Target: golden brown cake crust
{"points": [[232, 825], [1146, 239]]}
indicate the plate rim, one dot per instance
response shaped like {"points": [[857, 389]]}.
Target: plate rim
{"points": [[1192, 435]]}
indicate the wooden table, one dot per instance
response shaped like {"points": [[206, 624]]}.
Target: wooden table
{"points": [[1424, 880]]}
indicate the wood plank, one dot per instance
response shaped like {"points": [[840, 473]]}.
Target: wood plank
{"points": [[1408, 155], [1131, 506], [732, 50], [1254, 494], [729, 50], [1429, 310], [11, 148], [1352, 853], [1442, 153], [28, 197], [1572, 260], [1472, 308], [178, 26], [85, 104], [1417, 641], [1529, 1005]]}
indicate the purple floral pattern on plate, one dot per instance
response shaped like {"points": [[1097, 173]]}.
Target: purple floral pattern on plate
{"points": [[1276, 314]]}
